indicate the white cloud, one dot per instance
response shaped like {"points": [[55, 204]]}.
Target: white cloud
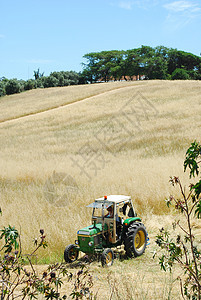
{"points": [[182, 6], [146, 4], [186, 7], [130, 4], [126, 5], [181, 13]]}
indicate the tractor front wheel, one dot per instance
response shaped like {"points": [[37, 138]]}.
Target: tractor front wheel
{"points": [[71, 253], [136, 240], [107, 257]]}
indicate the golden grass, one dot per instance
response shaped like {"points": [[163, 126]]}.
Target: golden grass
{"points": [[40, 100], [128, 137]]}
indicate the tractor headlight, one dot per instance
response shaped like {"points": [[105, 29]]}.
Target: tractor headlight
{"points": [[91, 244], [76, 242]]}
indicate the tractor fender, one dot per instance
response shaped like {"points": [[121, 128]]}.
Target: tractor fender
{"points": [[126, 225], [128, 221]]}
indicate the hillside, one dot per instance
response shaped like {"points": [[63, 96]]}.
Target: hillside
{"points": [[62, 147]]}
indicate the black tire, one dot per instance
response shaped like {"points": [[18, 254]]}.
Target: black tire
{"points": [[71, 253], [107, 257], [136, 240]]}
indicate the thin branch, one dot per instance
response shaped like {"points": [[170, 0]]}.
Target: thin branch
{"points": [[17, 283], [193, 274], [196, 277], [181, 288], [190, 193], [181, 189], [185, 251], [20, 244], [31, 265], [186, 232], [194, 204]]}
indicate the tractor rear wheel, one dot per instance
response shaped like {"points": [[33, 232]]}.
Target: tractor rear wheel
{"points": [[136, 240], [107, 257], [71, 253]]}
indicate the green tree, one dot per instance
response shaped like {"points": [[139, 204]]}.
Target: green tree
{"points": [[3, 82], [12, 87], [66, 78], [85, 76], [92, 67], [156, 68], [180, 74], [37, 74], [106, 65], [110, 62], [50, 81], [133, 63], [189, 60], [157, 64], [174, 61], [60, 77], [72, 76], [39, 83], [29, 85], [2, 90], [183, 60]]}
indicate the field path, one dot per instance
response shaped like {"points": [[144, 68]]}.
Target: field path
{"points": [[56, 108]]}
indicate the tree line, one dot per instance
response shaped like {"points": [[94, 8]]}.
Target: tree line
{"points": [[144, 62], [140, 63], [63, 78]]}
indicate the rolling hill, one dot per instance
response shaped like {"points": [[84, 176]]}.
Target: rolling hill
{"points": [[62, 147]]}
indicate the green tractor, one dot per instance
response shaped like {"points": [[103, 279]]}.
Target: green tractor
{"points": [[114, 223]]}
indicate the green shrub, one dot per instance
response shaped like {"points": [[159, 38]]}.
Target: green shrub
{"points": [[66, 78], [12, 87], [39, 83], [50, 81], [2, 89], [180, 74], [29, 85]]}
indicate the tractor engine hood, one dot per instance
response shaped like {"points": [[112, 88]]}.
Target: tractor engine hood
{"points": [[91, 230]]}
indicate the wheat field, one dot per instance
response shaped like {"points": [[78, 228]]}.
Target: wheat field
{"points": [[62, 147]]}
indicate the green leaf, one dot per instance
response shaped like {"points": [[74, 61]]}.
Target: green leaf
{"points": [[10, 234], [192, 154], [198, 210], [197, 189]]}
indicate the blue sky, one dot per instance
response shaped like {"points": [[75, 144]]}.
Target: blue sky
{"points": [[53, 35]]}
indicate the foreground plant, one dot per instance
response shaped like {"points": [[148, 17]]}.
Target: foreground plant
{"points": [[21, 281], [183, 249]]}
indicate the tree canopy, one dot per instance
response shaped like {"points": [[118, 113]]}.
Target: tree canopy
{"points": [[144, 62]]}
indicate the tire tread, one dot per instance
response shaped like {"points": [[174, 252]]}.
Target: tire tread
{"points": [[129, 240]]}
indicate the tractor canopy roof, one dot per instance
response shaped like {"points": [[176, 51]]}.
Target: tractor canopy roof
{"points": [[109, 200]]}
